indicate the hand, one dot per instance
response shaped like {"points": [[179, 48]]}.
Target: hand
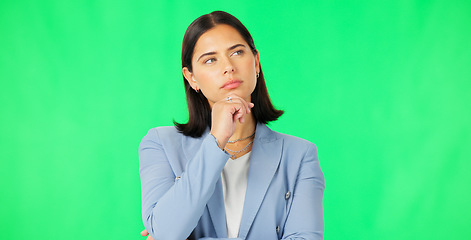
{"points": [[146, 233], [224, 117]]}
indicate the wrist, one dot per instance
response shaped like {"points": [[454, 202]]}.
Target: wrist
{"points": [[221, 143]]}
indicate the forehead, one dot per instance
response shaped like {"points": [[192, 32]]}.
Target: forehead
{"points": [[219, 38]]}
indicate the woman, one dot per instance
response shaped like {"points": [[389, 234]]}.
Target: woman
{"points": [[225, 174]]}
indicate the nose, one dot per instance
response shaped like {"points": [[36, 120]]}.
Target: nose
{"points": [[228, 67]]}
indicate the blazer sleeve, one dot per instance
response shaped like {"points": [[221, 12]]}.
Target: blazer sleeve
{"points": [[172, 208], [305, 219]]}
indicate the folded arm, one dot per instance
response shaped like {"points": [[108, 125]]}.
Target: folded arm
{"points": [[171, 208]]}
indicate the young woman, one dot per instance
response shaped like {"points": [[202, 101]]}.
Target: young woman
{"points": [[225, 174]]}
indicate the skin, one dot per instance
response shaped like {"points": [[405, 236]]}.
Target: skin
{"points": [[230, 59], [222, 56]]}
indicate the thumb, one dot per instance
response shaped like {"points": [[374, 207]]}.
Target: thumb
{"points": [[144, 233]]}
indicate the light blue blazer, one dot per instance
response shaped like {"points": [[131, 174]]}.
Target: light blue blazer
{"points": [[182, 193]]}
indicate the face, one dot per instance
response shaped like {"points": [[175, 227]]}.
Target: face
{"points": [[223, 65]]}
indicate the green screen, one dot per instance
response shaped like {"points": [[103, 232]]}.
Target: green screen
{"points": [[381, 87]]}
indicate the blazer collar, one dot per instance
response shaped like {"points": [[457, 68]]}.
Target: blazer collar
{"points": [[265, 158]]}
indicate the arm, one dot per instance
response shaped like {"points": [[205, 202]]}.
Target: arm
{"points": [[171, 209], [305, 219]]}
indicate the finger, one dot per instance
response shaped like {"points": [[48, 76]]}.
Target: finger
{"points": [[236, 114], [149, 238], [246, 105], [144, 233], [235, 98], [245, 108], [239, 116], [242, 119], [238, 108]]}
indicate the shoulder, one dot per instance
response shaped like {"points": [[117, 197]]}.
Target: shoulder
{"points": [[298, 156], [164, 131], [298, 149], [293, 143], [297, 141], [293, 149], [162, 134], [169, 136]]}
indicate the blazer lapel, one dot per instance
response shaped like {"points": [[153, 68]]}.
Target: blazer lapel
{"points": [[217, 211], [266, 155], [265, 158]]}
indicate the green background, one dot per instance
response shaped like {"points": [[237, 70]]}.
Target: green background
{"points": [[382, 88]]}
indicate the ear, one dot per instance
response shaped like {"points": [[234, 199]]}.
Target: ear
{"points": [[257, 62], [190, 78]]}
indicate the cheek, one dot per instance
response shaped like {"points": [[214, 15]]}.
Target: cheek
{"points": [[205, 78], [250, 66], [208, 83]]}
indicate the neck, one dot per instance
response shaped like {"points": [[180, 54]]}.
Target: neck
{"points": [[244, 129]]}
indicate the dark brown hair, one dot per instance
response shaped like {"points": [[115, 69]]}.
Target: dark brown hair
{"points": [[198, 107]]}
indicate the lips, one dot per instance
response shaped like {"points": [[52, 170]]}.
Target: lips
{"points": [[231, 84]]}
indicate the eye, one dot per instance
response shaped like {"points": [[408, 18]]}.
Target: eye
{"points": [[238, 52], [210, 60]]}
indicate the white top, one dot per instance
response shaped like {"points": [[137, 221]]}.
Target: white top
{"points": [[234, 184]]}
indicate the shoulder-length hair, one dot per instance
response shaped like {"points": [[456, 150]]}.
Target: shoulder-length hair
{"points": [[199, 110]]}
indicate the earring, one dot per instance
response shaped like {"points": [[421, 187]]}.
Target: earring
{"points": [[196, 90], [258, 75]]}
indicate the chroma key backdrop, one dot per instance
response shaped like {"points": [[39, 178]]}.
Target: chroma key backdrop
{"points": [[381, 87]]}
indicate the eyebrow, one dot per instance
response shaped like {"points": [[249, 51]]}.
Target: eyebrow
{"points": [[211, 53]]}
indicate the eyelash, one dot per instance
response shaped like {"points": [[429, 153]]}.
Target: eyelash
{"points": [[209, 59], [239, 52]]}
